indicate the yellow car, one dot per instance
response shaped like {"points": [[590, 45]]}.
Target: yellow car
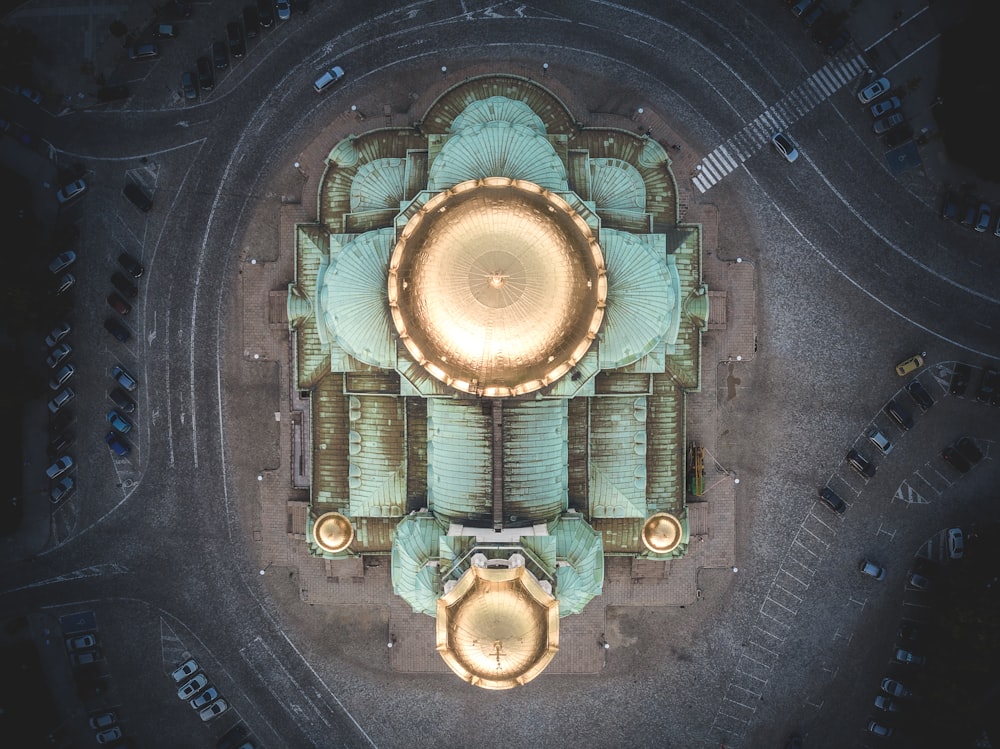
{"points": [[912, 364]]}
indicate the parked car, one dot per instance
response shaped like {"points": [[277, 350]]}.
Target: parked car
{"points": [[887, 122], [85, 657], [209, 695], [220, 55], [918, 581], [879, 730], [838, 41], [873, 90], [117, 444], [832, 500], [969, 450], [902, 655], [989, 387], [957, 460], [83, 642], [785, 146], [121, 399], [118, 304], [898, 136], [960, 379], [183, 671], [144, 52], [65, 283], [956, 543], [60, 441], [192, 686], [73, 190], [237, 42], [60, 331], [328, 78], [59, 467], [104, 720], [882, 702], [118, 422], [912, 364], [28, 93], [800, 6], [165, 31], [61, 399], [56, 356], [983, 218], [131, 264], [283, 10], [137, 196], [860, 464], [189, 85], [108, 735], [206, 78], [899, 415], [216, 708], [62, 376], [908, 631], [63, 488], [61, 262], [880, 441], [920, 395], [126, 287], [264, 10], [251, 21], [871, 569], [123, 378], [895, 688], [60, 421], [118, 330], [885, 106], [950, 206]]}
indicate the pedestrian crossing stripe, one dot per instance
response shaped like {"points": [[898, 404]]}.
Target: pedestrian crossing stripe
{"points": [[797, 103]]}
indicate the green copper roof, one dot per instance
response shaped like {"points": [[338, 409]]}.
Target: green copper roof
{"points": [[459, 460], [582, 576], [416, 544], [618, 457], [378, 184], [377, 457], [534, 459], [616, 185], [498, 109]]}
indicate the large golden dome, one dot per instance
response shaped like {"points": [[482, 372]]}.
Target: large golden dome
{"points": [[497, 286], [497, 628]]}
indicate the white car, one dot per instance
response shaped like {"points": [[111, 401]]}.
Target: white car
{"points": [[60, 467], [184, 670], [60, 377], [328, 78], [956, 543], [60, 400], [61, 490], [71, 191], [57, 354], [61, 262], [785, 146], [192, 686], [60, 331], [873, 90], [83, 642], [216, 708], [879, 440], [209, 695], [284, 10]]}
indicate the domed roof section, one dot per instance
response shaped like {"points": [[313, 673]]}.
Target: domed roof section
{"points": [[497, 287], [616, 185], [378, 184], [497, 149], [352, 299], [641, 299], [497, 628], [333, 532], [498, 109]]}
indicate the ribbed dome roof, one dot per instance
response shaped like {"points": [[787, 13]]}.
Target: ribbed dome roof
{"points": [[498, 109], [640, 299], [378, 184], [497, 149], [353, 299]]}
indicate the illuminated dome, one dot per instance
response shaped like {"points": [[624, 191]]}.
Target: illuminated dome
{"points": [[662, 533], [497, 286], [497, 628], [333, 532]]}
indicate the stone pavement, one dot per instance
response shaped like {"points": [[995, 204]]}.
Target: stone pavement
{"points": [[279, 528]]}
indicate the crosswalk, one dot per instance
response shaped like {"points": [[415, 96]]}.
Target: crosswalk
{"points": [[798, 102]]}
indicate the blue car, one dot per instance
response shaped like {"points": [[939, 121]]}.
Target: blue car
{"points": [[118, 422], [118, 447]]}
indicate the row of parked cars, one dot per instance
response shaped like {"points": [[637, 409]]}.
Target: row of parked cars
{"points": [[886, 111], [969, 211], [196, 691], [826, 28]]}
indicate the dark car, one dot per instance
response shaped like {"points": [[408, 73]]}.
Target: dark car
{"points": [[899, 415], [60, 421], [950, 206], [265, 12], [831, 500], [898, 136], [220, 55], [118, 304], [838, 42], [189, 85], [960, 379], [206, 78], [126, 287], [129, 263], [251, 21], [969, 450], [237, 42], [989, 387], [117, 444], [179, 8], [300, 6], [144, 52], [232, 738], [920, 395], [953, 456], [165, 31], [137, 196], [59, 442], [122, 399], [860, 464], [118, 330]]}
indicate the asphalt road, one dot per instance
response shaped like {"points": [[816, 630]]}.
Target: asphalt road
{"points": [[856, 271]]}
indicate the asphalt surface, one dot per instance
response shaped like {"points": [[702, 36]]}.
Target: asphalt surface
{"points": [[856, 271]]}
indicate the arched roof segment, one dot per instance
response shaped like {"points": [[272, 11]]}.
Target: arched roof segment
{"points": [[498, 109]]}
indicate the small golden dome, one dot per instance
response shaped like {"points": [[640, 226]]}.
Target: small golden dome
{"points": [[497, 286], [333, 532], [497, 628], [662, 533]]}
